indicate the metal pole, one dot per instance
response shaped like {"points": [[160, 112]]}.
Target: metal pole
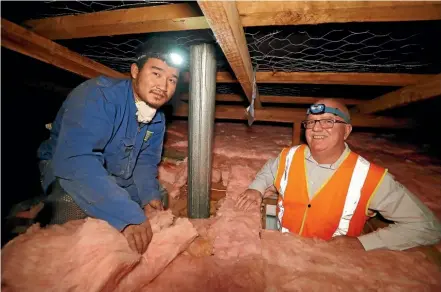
{"points": [[201, 129]]}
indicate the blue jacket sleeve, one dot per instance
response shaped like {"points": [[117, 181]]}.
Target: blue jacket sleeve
{"points": [[78, 162], [145, 173]]}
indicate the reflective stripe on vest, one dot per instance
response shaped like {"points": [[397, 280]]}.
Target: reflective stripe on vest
{"points": [[288, 160], [353, 196]]}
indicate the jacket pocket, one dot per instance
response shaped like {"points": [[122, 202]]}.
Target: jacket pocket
{"points": [[124, 157]]}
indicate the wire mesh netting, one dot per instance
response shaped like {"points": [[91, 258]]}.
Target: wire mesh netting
{"points": [[393, 47], [401, 47], [354, 47], [44, 9], [118, 52], [322, 48]]}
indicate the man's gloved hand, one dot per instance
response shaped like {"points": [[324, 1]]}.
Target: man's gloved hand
{"points": [[248, 199], [138, 236]]}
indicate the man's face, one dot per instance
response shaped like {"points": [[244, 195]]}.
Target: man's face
{"points": [[331, 139], [155, 83]]}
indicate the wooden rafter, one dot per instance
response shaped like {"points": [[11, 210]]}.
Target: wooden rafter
{"points": [[280, 99], [172, 17], [176, 17], [223, 18], [297, 115], [427, 89], [15, 37], [380, 79], [265, 13]]}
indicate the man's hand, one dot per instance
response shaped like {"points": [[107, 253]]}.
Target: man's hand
{"points": [[348, 242], [156, 204], [138, 236], [248, 199]]}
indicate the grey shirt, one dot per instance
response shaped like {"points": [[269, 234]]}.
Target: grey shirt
{"points": [[414, 224]]}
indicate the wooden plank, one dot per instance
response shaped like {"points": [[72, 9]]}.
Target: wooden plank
{"points": [[284, 115], [304, 99], [220, 97], [221, 77], [381, 79], [279, 99], [296, 133], [427, 89], [176, 17], [224, 21], [15, 37], [172, 17], [265, 13]]}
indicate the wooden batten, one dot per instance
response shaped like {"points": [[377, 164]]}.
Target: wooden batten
{"points": [[16, 38], [284, 115], [224, 21], [427, 89]]}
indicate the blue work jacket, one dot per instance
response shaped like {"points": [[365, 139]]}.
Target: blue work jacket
{"points": [[102, 156]]}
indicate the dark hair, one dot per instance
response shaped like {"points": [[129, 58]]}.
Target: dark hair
{"points": [[154, 47]]}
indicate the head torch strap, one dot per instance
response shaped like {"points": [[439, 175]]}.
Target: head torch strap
{"points": [[321, 109]]}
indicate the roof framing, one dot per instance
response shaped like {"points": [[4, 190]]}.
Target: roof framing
{"points": [[175, 17], [383, 79], [427, 89], [15, 37], [227, 20], [224, 21]]}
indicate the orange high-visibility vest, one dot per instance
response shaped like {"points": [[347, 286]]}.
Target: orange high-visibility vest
{"points": [[339, 207]]}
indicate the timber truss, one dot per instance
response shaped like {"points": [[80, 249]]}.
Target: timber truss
{"points": [[227, 22]]}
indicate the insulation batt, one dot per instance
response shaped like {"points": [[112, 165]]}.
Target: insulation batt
{"points": [[228, 252], [90, 255]]}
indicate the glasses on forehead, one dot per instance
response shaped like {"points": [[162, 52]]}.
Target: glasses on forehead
{"points": [[324, 123]]}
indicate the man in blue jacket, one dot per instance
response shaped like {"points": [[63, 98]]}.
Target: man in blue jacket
{"points": [[102, 157]]}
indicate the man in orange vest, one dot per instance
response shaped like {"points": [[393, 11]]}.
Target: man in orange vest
{"points": [[327, 191]]}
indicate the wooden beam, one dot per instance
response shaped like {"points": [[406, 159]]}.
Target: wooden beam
{"points": [[220, 97], [412, 93], [304, 99], [16, 38], [265, 13], [221, 77], [172, 17], [296, 133], [224, 21], [283, 115], [176, 17], [279, 99], [381, 79]]}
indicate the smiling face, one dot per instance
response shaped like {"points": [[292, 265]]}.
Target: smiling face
{"points": [[329, 141], [155, 83]]}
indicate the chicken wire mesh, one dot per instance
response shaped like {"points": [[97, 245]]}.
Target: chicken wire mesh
{"points": [[321, 48], [44, 9], [404, 47], [354, 47]]}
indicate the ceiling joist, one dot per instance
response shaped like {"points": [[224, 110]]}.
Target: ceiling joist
{"points": [[172, 17], [266, 13], [279, 99], [427, 89], [224, 21], [177, 17], [295, 116], [380, 79], [16, 38]]}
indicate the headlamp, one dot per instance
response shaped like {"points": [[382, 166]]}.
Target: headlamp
{"points": [[318, 109], [173, 58]]}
